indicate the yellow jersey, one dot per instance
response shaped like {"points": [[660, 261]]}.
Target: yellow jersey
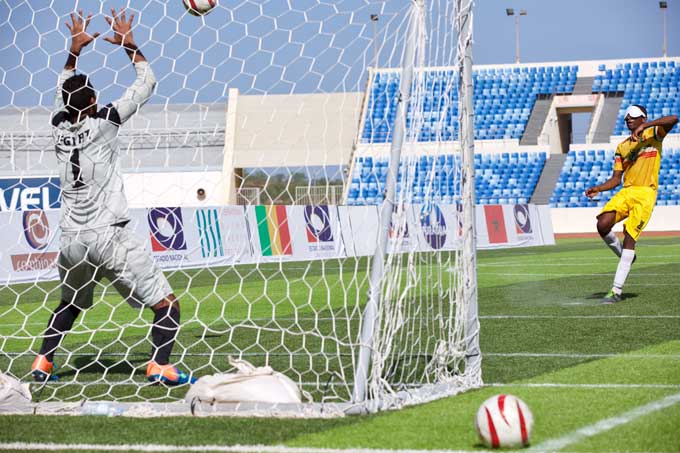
{"points": [[640, 160]]}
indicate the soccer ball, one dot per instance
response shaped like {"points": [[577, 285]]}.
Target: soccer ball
{"points": [[199, 7], [504, 421]]}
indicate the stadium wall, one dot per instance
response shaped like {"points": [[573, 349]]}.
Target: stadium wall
{"points": [[295, 130], [583, 220], [172, 189]]}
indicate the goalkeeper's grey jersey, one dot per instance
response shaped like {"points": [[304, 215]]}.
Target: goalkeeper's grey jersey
{"points": [[92, 193]]}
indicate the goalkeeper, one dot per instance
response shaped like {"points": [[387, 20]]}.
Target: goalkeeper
{"points": [[639, 158], [95, 242]]}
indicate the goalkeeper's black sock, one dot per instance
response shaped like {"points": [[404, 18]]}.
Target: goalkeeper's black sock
{"points": [[163, 333], [59, 324]]}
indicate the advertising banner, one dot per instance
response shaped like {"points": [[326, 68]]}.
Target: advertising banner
{"points": [[270, 233], [23, 194], [167, 237], [29, 245], [183, 238], [360, 229], [194, 237], [440, 226], [529, 225], [519, 225], [359, 226], [494, 221], [236, 243], [315, 232], [403, 232]]}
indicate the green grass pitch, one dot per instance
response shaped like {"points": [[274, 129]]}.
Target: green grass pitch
{"points": [[544, 338]]}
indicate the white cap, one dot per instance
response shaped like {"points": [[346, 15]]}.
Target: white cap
{"points": [[634, 112]]}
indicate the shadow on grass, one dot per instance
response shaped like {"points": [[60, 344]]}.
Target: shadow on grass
{"points": [[599, 296], [90, 365]]}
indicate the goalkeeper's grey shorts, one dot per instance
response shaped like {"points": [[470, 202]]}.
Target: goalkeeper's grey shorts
{"points": [[115, 253]]}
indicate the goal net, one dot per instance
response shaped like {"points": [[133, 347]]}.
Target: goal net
{"points": [[302, 176]]}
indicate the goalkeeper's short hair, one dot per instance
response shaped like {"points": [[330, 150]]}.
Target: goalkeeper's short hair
{"points": [[77, 93]]}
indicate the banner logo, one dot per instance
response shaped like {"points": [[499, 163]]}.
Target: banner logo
{"points": [[495, 224], [522, 219], [272, 228], [209, 233], [37, 234], [434, 226], [24, 194], [318, 221], [166, 229], [36, 229]]}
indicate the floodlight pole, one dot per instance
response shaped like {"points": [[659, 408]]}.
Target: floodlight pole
{"points": [[511, 12], [370, 319], [517, 39], [664, 6], [374, 19]]}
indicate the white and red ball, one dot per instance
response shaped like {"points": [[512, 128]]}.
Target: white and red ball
{"points": [[199, 7], [504, 421]]}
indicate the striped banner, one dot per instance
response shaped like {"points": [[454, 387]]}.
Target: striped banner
{"points": [[209, 233], [272, 227]]}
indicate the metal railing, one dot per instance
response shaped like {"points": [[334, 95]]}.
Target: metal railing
{"points": [[318, 195]]}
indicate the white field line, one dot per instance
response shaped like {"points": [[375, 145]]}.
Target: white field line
{"points": [[602, 246], [582, 386], [576, 274], [653, 284], [579, 317], [607, 424], [567, 262], [570, 355]]}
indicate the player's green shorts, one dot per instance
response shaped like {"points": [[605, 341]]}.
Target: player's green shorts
{"points": [[634, 203], [116, 254]]}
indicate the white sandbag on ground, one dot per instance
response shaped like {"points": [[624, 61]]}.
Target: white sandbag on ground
{"points": [[248, 384], [13, 394]]}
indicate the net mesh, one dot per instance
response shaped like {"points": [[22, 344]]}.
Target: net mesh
{"points": [[258, 105]]}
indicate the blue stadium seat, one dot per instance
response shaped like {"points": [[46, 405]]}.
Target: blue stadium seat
{"points": [[585, 169], [652, 84], [499, 178], [503, 99]]}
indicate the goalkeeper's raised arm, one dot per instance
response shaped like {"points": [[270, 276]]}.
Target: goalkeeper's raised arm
{"points": [[80, 38], [142, 88]]}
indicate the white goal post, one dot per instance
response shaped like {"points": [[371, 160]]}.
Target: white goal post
{"points": [[365, 307]]}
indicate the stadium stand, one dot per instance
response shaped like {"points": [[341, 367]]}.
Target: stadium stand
{"points": [[653, 84], [504, 98], [583, 169], [506, 178]]}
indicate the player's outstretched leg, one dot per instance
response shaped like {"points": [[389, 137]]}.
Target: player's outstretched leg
{"points": [[59, 324], [605, 222], [163, 334], [622, 270]]}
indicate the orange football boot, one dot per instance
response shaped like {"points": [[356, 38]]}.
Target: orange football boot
{"points": [[168, 374], [43, 370]]}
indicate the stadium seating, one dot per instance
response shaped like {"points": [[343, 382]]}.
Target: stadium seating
{"points": [[583, 169], [506, 178], [656, 85], [503, 99]]}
